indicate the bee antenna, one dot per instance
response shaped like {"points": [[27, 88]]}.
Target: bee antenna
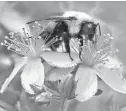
{"points": [[32, 21], [99, 29], [61, 18]]}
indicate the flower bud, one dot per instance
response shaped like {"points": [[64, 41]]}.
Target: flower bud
{"points": [[67, 86], [41, 97]]}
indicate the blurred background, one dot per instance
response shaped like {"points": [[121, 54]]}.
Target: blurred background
{"points": [[111, 16]]}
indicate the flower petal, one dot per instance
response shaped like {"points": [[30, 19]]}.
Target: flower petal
{"points": [[87, 83], [57, 73], [47, 67], [114, 62], [112, 76], [61, 60], [33, 73], [18, 65]]}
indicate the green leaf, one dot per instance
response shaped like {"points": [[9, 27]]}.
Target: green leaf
{"points": [[62, 84], [43, 99], [53, 85]]}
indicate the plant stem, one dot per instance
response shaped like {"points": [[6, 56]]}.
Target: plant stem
{"points": [[69, 105], [72, 105], [75, 69], [63, 105]]}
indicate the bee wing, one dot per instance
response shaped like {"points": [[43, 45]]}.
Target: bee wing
{"points": [[39, 26], [58, 18]]}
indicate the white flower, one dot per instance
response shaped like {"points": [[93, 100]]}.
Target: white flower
{"points": [[98, 59], [99, 62], [29, 45]]}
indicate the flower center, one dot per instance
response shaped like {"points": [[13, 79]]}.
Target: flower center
{"points": [[20, 43], [98, 53], [91, 53], [28, 44]]}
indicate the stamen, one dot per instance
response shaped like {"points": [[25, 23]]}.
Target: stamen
{"points": [[16, 51], [24, 32], [92, 56], [16, 43], [31, 45]]}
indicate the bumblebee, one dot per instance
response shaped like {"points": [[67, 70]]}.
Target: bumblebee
{"points": [[71, 24]]}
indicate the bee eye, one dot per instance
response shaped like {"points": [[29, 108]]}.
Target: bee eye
{"points": [[94, 29], [85, 29]]}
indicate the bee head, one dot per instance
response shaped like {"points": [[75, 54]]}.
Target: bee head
{"points": [[88, 27]]}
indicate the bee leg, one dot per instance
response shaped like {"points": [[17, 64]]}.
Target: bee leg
{"points": [[67, 41], [81, 44], [68, 48], [80, 51], [70, 56], [53, 48]]}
